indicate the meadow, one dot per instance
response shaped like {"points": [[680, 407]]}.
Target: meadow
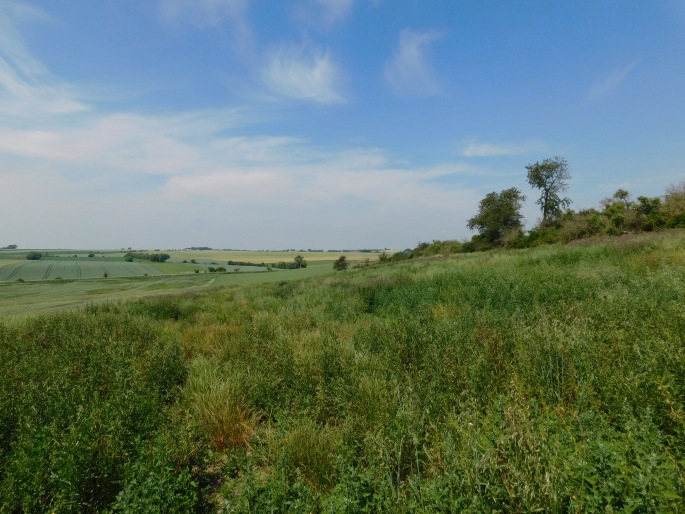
{"points": [[548, 379]]}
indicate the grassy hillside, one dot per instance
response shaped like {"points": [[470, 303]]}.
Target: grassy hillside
{"points": [[548, 379]]}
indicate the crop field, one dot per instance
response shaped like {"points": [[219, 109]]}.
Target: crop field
{"points": [[75, 269], [267, 257]]}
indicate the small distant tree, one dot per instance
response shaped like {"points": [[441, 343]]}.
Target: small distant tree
{"points": [[498, 214], [299, 262], [649, 211], [551, 177], [33, 256], [341, 263], [91, 254], [620, 211]]}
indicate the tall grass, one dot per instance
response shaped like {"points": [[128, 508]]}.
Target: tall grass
{"points": [[548, 379]]}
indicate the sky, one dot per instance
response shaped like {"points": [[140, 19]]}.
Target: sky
{"points": [[323, 124]]}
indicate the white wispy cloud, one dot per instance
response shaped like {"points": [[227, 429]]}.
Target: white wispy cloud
{"points": [[27, 89], [612, 82], [409, 72], [303, 72], [323, 13], [204, 12], [213, 13], [475, 148]]}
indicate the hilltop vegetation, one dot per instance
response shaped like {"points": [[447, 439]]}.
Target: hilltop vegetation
{"points": [[545, 379], [499, 222]]}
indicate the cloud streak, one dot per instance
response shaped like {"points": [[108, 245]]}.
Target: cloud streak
{"points": [[213, 13], [27, 89], [612, 82], [409, 72], [474, 148], [323, 13], [303, 72]]}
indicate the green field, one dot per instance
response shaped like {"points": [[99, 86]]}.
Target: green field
{"points": [[64, 269], [22, 298], [60, 280], [539, 380]]}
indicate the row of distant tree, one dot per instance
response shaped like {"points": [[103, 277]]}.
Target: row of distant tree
{"points": [[297, 263], [144, 256]]}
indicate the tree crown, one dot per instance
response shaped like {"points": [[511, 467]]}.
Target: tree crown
{"points": [[497, 213], [551, 177]]}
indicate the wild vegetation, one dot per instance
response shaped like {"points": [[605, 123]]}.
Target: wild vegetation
{"points": [[544, 379], [499, 222]]}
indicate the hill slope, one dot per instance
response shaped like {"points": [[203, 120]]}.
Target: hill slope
{"points": [[550, 379]]}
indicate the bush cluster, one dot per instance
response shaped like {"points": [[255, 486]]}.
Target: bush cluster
{"points": [[144, 256], [617, 215]]}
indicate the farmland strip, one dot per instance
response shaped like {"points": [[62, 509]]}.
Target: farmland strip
{"points": [[15, 271], [47, 272]]}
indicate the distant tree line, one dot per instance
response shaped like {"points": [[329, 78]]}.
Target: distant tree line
{"points": [[34, 256], [144, 256], [297, 263], [9, 247], [241, 263]]}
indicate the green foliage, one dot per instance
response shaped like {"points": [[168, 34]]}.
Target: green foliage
{"points": [[144, 256], [498, 213], [340, 263], [81, 389], [551, 177], [33, 256], [674, 206], [298, 263], [154, 485]]}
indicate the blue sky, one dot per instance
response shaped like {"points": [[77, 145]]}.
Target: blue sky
{"points": [[267, 124]]}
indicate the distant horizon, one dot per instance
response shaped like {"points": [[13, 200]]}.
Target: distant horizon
{"points": [[324, 123], [190, 249]]}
